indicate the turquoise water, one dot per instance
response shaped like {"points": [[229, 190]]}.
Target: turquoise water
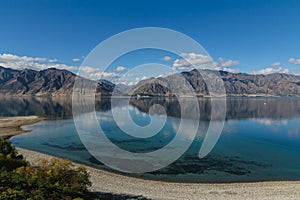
{"points": [[260, 140]]}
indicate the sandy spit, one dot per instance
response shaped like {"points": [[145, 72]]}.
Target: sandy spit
{"points": [[10, 126], [107, 182]]}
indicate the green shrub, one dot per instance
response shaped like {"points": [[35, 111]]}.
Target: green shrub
{"points": [[55, 179], [9, 158]]}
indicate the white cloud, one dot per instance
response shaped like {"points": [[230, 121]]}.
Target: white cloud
{"points": [[15, 58], [201, 61], [189, 59], [270, 70], [166, 58], [52, 60], [131, 83], [76, 59], [227, 63], [275, 64], [97, 73], [121, 69], [141, 78], [37, 63], [294, 61], [230, 70], [110, 75]]}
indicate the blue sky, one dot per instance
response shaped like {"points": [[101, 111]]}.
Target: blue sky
{"points": [[254, 33]]}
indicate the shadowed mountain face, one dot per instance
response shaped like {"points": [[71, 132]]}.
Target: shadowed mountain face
{"points": [[45, 82], [239, 84]]}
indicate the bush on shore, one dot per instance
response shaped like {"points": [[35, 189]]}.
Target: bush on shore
{"points": [[55, 179]]}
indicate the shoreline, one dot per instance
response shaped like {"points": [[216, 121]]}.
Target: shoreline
{"points": [[118, 185]]}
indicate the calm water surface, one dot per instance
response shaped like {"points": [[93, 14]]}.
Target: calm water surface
{"points": [[260, 140]]}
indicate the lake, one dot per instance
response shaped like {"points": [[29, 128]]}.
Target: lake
{"points": [[260, 140]]}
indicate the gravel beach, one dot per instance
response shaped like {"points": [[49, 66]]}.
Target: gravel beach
{"points": [[134, 188]]}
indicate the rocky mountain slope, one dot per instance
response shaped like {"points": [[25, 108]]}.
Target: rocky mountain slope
{"points": [[45, 82], [236, 84]]}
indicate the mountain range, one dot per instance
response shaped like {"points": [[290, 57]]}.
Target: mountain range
{"points": [[235, 84], [56, 82]]}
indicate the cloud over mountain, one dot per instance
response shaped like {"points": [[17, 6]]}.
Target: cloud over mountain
{"points": [[294, 61], [275, 64], [201, 61], [38, 63], [270, 70]]}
